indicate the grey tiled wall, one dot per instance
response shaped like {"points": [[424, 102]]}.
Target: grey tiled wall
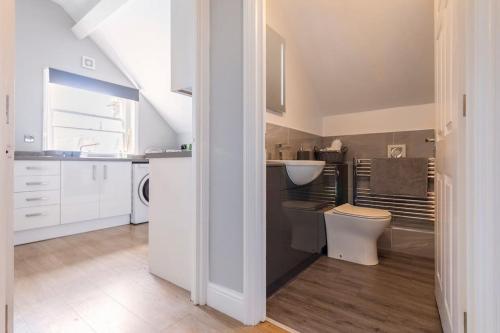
{"points": [[375, 145], [404, 236], [292, 138]]}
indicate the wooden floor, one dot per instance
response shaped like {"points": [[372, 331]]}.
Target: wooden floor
{"points": [[336, 296], [99, 282]]}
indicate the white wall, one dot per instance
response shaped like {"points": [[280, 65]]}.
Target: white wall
{"points": [[352, 56], [44, 39], [226, 144], [405, 118], [145, 54], [302, 110], [153, 129]]}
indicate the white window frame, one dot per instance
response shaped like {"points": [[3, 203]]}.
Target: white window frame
{"points": [[46, 145]]}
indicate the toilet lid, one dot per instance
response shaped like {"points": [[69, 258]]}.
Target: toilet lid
{"points": [[369, 213]]}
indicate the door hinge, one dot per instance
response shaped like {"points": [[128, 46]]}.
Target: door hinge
{"points": [[465, 322], [6, 318], [464, 106], [7, 109]]}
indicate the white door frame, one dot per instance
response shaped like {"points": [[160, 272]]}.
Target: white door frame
{"points": [[483, 161], [7, 49], [254, 189], [254, 160], [201, 150]]}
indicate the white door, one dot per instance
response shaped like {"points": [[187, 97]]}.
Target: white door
{"points": [[80, 184], [449, 182], [7, 15], [116, 189]]}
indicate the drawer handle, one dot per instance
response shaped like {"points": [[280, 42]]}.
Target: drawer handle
{"points": [[33, 168], [35, 215], [35, 183], [36, 199]]}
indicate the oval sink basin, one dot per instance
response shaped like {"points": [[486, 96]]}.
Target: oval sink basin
{"points": [[302, 172]]}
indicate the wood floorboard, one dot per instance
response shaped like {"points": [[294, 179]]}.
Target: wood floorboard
{"points": [[337, 296], [99, 282]]}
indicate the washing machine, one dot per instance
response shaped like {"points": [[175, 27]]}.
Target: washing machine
{"points": [[140, 193]]}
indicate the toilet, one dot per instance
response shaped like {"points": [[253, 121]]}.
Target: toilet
{"points": [[352, 232]]}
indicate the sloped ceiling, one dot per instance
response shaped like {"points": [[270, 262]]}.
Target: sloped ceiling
{"points": [[360, 55], [136, 38]]}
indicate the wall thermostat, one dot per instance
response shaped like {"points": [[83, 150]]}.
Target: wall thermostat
{"points": [[88, 62]]}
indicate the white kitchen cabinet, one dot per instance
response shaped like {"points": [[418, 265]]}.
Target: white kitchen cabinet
{"points": [[35, 199], [171, 220], [37, 168], [183, 45], [92, 190], [36, 217], [116, 189], [36, 183], [36, 194], [80, 185]]}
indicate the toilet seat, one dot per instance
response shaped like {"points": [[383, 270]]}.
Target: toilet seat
{"points": [[361, 212]]}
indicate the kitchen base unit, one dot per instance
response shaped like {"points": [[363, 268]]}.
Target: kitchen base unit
{"points": [[172, 219], [65, 197]]}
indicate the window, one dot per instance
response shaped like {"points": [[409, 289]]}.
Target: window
{"points": [[87, 117]]}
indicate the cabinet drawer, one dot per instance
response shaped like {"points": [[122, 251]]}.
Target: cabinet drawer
{"points": [[36, 183], [36, 217], [37, 168], [35, 199]]}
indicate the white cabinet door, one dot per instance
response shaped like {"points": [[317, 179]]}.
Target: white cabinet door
{"points": [[116, 188], [183, 45], [79, 191]]}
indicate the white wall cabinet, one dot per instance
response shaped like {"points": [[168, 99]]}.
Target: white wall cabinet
{"points": [[182, 45], [93, 190]]}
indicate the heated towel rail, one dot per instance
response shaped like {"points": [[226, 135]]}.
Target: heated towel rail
{"points": [[399, 205]]}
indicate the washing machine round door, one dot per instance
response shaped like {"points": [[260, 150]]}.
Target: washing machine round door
{"points": [[144, 190]]}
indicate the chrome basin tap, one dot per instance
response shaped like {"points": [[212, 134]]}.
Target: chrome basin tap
{"points": [[88, 145]]}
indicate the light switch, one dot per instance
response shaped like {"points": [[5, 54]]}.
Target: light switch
{"points": [[29, 138]]}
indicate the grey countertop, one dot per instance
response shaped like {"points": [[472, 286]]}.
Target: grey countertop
{"points": [[274, 163], [41, 156], [35, 156], [170, 154]]}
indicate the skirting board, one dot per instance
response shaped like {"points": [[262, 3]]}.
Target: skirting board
{"points": [[226, 301], [36, 235]]}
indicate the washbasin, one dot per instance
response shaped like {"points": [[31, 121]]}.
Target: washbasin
{"points": [[302, 172]]}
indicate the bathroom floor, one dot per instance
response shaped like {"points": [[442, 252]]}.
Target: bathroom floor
{"points": [[337, 296], [99, 282]]}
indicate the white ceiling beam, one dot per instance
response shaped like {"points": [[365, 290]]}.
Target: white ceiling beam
{"points": [[97, 16]]}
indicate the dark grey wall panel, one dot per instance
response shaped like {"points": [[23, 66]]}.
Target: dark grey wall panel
{"points": [[86, 83]]}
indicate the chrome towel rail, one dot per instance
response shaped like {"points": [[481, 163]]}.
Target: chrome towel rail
{"points": [[399, 205]]}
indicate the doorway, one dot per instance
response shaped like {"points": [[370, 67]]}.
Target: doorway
{"points": [[291, 136]]}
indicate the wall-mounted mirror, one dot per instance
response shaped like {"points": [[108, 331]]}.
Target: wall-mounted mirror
{"points": [[275, 76]]}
